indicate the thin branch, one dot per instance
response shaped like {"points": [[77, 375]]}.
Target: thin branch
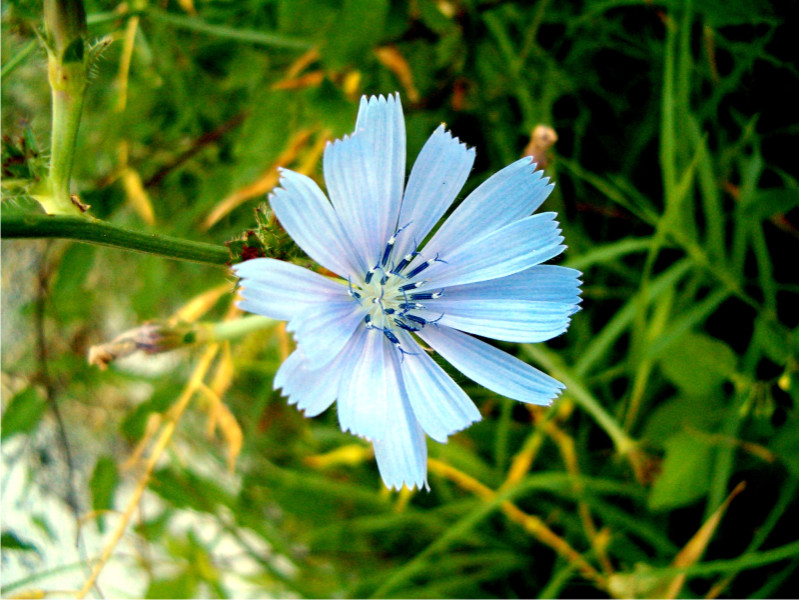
{"points": [[201, 142]]}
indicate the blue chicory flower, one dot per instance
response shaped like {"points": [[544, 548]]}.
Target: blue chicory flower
{"points": [[360, 336]]}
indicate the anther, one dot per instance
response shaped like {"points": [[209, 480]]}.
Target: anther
{"points": [[402, 325], [404, 262], [411, 286], [421, 267], [391, 337], [390, 245], [406, 306], [427, 295], [418, 320]]}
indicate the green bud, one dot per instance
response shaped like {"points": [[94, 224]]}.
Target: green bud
{"points": [[65, 25]]}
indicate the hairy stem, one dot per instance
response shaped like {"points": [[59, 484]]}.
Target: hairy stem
{"points": [[95, 231]]}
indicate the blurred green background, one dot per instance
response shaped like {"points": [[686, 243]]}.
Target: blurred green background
{"points": [[676, 444]]}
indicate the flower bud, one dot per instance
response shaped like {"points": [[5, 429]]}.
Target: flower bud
{"points": [[150, 338]]}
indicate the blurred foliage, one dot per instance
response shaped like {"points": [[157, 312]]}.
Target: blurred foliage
{"points": [[677, 192]]}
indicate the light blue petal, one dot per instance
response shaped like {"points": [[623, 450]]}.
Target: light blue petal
{"points": [[513, 248], [508, 320], [531, 306], [313, 391], [438, 174], [322, 330], [352, 185], [545, 283], [402, 454], [381, 122], [310, 220], [365, 391], [364, 174], [510, 194], [492, 368], [281, 290], [439, 404]]}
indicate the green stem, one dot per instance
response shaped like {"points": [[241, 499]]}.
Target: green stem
{"points": [[259, 38], [67, 109], [94, 231], [623, 443], [19, 58], [231, 330]]}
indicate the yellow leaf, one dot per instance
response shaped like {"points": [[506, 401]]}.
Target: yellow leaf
{"points": [[391, 58], [312, 79], [231, 431], [299, 65], [696, 546], [352, 84], [352, 454], [137, 196], [188, 6], [262, 185], [201, 304]]}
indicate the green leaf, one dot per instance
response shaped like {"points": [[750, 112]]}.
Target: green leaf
{"points": [[182, 586], [265, 134], [701, 413], [292, 17], [720, 13], [774, 339], [69, 294], [10, 541], [786, 445], [74, 52], [685, 475], [24, 412], [103, 484], [184, 489], [766, 203], [359, 27], [698, 363]]}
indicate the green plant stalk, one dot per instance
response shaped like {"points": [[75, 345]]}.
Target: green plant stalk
{"points": [[94, 231], [68, 83], [231, 330], [68, 73], [623, 443]]}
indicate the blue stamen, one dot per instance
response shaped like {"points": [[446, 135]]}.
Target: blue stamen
{"points": [[404, 262], [391, 337], [405, 326], [411, 286], [406, 306], [390, 246], [418, 320], [423, 266], [388, 249], [427, 295]]}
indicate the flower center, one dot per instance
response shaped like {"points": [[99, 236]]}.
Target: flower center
{"points": [[387, 294]]}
